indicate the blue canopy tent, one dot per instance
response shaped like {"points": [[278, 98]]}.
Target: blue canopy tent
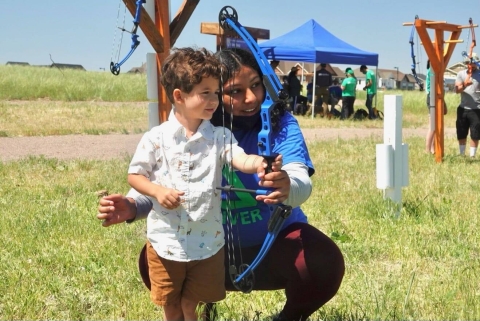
{"points": [[312, 43]]}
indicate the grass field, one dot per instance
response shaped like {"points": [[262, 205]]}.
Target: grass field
{"points": [[57, 261]]}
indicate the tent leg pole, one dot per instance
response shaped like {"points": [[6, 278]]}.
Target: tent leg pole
{"points": [[313, 89]]}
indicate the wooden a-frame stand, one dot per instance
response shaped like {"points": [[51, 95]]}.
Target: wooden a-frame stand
{"points": [[439, 51], [162, 35]]}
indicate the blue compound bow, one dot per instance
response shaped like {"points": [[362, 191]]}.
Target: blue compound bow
{"points": [[243, 278], [412, 54], [115, 67]]}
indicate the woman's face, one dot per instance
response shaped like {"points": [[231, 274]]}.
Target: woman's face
{"points": [[243, 93]]}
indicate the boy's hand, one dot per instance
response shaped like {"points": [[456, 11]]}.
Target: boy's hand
{"points": [[277, 163], [276, 166], [168, 197]]}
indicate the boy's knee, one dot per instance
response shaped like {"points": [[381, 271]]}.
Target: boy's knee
{"points": [[192, 310], [173, 312]]}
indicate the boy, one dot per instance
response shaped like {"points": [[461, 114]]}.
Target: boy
{"points": [[178, 164]]}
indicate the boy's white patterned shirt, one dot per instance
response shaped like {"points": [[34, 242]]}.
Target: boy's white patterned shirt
{"points": [[192, 231]]}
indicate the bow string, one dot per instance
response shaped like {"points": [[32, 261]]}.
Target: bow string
{"points": [[243, 278], [115, 67], [412, 54]]}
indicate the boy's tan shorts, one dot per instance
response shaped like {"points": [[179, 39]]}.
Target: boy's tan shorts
{"points": [[198, 281]]}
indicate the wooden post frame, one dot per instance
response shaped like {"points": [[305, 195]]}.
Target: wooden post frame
{"points": [[162, 35], [439, 51]]}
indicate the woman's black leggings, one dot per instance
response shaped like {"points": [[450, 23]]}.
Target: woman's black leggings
{"points": [[304, 262]]}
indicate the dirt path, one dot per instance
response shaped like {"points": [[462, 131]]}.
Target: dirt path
{"points": [[105, 147]]}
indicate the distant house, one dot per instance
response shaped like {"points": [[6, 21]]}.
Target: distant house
{"points": [[452, 70], [389, 78], [386, 78], [17, 63], [408, 82], [139, 70], [67, 66]]}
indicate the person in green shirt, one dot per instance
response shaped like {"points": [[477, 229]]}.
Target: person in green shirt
{"points": [[371, 88], [352, 110], [348, 94]]}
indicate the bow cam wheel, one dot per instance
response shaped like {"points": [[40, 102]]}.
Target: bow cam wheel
{"points": [[224, 14]]}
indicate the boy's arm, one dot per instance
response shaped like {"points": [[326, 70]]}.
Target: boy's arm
{"points": [[143, 185], [243, 162], [166, 197], [247, 163], [251, 164]]}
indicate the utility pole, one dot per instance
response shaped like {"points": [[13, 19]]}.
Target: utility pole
{"points": [[396, 79]]}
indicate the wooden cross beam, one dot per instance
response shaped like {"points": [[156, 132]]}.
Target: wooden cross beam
{"points": [[213, 28], [162, 35], [439, 51]]}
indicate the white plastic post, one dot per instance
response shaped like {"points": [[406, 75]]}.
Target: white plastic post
{"points": [[384, 158], [151, 68], [150, 8], [153, 117], [405, 167], [152, 90], [393, 175], [152, 87]]}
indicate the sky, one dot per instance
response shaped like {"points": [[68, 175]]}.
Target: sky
{"points": [[83, 32]]}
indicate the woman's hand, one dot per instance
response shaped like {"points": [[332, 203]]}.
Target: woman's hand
{"points": [[280, 183], [116, 208]]}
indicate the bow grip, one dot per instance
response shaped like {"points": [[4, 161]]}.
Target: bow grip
{"points": [[279, 215], [270, 159]]}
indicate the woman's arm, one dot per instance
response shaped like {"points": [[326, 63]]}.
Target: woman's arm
{"points": [[300, 184]]}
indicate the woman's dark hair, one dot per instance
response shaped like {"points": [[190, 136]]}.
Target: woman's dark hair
{"points": [[428, 63], [233, 60]]}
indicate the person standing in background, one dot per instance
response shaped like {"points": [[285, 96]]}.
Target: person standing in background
{"points": [[352, 105], [371, 88], [468, 112], [323, 80], [299, 102], [348, 94]]}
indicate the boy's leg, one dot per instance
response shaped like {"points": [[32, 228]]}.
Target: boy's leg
{"points": [[166, 278], [173, 313], [205, 282]]}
